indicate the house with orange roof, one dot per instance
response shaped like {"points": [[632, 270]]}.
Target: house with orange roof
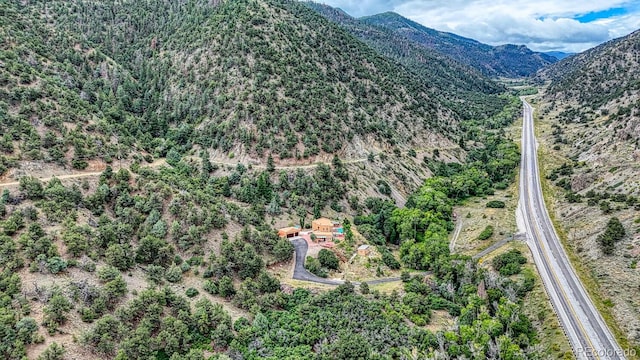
{"points": [[325, 229], [322, 225], [289, 232]]}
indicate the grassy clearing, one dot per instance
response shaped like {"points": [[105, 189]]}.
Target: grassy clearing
{"points": [[387, 288], [440, 320], [363, 268], [475, 216], [548, 160]]}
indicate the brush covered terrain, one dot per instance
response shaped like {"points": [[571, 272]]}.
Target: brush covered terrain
{"points": [[149, 150]]}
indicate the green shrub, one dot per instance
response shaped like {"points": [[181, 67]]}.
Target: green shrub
{"points": [[225, 287], [283, 250], [88, 266], [509, 263], [191, 292], [26, 328], [313, 265], [210, 287], [364, 288], [495, 204], [390, 260], [120, 256], [613, 233], [108, 273], [56, 264], [32, 187], [155, 273], [53, 352], [383, 187], [328, 259], [55, 312], [87, 314], [174, 274], [486, 233], [195, 261]]}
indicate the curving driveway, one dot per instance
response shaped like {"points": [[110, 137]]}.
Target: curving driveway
{"points": [[300, 273]]}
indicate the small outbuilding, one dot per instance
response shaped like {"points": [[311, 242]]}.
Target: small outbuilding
{"points": [[364, 250]]}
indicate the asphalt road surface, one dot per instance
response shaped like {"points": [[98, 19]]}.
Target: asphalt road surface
{"points": [[496, 246], [587, 332], [300, 273]]}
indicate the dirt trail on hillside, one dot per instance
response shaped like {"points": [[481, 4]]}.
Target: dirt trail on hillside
{"points": [[456, 233], [77, 175], [160, 162], [292, 166]]}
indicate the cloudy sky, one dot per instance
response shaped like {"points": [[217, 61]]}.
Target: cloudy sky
{"points": [[543, 25]]}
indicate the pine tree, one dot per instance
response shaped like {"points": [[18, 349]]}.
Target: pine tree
{"points": [[270, 165]]}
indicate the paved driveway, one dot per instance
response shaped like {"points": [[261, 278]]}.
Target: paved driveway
{"points": [[300, 273]]}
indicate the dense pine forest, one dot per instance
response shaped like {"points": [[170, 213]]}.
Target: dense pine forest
{"points": [[169, 253], [204, 75]]}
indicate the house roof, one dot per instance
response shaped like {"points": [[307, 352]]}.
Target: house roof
{"points": [[363, 247], [323, 221], [288, 230]]}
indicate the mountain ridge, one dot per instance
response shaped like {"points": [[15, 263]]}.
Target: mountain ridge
{"points": [[504, 60], [559, 54], [466, 90]]}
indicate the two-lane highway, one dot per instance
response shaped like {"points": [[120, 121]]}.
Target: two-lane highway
{"points": [[587, 332]]}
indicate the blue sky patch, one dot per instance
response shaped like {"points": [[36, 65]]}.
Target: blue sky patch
{"points": [[604, 14], [562, 27]]}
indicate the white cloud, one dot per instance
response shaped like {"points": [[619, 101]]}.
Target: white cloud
{"points": [[540, 24]]}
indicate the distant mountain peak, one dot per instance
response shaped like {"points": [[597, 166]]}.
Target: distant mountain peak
{"points": [[558, 54], [461, 86], [505, 60]]}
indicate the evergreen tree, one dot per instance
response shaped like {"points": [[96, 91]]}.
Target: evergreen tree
{"points": [[271, 167], [613, 233]]}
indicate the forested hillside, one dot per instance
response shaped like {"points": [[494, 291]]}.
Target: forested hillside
{"points": [[138, 264], [162, 75], [591, 118], [504, 60], [156, 242], [464, 89], [597, 79]]}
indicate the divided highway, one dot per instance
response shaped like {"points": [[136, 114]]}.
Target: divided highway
{"points": [[587, 332]]}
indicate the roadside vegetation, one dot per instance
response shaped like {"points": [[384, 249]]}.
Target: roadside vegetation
{"points": [[550, 161], [146, 262]]}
